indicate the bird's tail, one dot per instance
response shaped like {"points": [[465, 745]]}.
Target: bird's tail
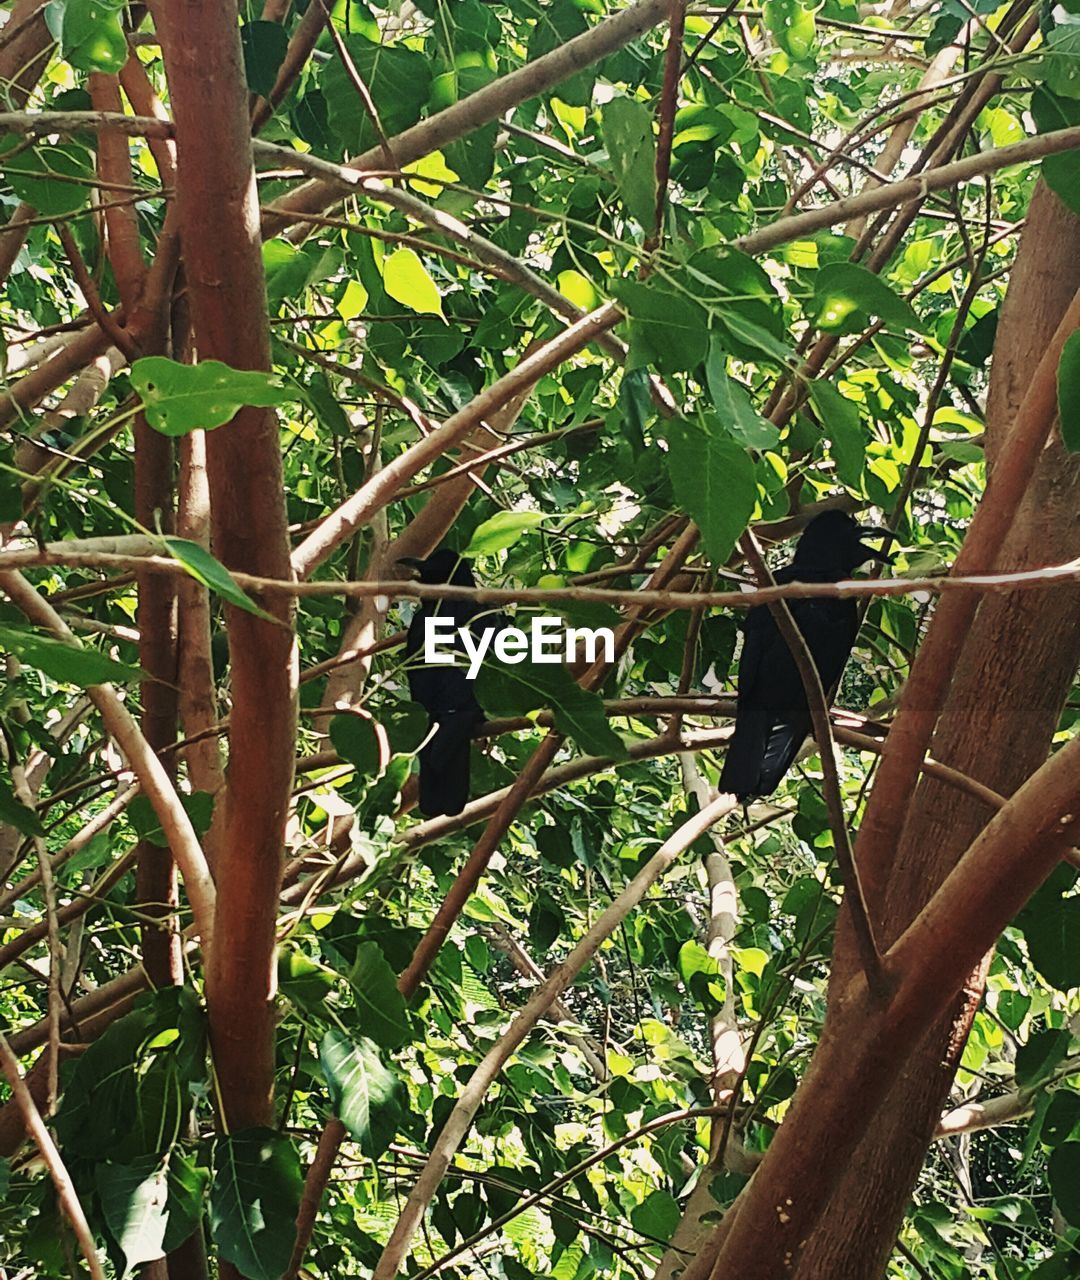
{"points": [[742, 764], [784, 740], [444, 766]]}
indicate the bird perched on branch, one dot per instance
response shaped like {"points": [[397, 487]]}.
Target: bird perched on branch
{"points": [[445, 692], [772, 719]]}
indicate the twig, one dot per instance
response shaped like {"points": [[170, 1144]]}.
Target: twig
{"points": [[357, 82], [107, 322]]}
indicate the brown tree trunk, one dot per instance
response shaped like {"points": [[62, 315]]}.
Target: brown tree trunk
{"points": [[997, 726], [219, 227]]}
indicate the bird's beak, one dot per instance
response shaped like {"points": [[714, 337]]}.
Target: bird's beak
{"points": [[873, 531], [412, 564]]}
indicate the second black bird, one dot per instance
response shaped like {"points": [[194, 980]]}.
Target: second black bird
{"points": [[772, 719], [445, 692]]}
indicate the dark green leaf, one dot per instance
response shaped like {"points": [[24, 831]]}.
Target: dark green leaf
{"points": [[398, 79], [519, 689], [14, 813], [1052, 932], [68, 663], [1063, 1168], [657, 1216], [355, 739], [628, 136], [264, 44], [253, 1201], [55, 180], [366, 1095], [199, 806], [714, 482], [1069, 392], [1038, 1059], [733, 405], [380, 1005]]}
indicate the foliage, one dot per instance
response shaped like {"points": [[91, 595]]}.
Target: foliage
{"points": [[378, 326]]}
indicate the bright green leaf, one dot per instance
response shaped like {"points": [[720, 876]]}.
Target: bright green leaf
{"points": [[406, 281], [500, 532], [179, 398]]}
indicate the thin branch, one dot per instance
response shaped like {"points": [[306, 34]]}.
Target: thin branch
{"points": [[107, 321]]}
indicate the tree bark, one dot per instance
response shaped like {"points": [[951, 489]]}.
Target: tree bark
{"points": [[219, 226], [1003, 708]]}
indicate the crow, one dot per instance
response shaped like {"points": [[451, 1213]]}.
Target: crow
{"points": [[445, 692], [772, 719]]}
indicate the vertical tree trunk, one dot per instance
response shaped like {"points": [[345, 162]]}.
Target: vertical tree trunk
{"points": [[218, 216], [997, 726]]}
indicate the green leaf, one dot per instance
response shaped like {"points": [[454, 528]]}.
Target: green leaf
{"points": [[355, 740], [1061, 61], [500, 532], [301, 980], [13, 813], [406, 280], [188, 1183], [657, 1216], [264, 45], [1038, 1058], [714, 482], [843, 425], [68, 663], [1062, 1117], [733, 405], [1069, 392], [213, 575], [846, 296], [1061, 172], [134, 1205], [179, 398], [406, 725], [253, 1201], [366, 1095], [668, 329], [1063, 1169], [519, 689], [792, 25], [129, 1095], [555, 25], [37, 175], [627, 130], [380, 1005], [398, 79], [92, 37]]}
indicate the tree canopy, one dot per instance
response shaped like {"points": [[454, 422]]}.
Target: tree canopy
{"points": [[610, 301]]}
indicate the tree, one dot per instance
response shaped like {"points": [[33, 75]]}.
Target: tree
{"points": [[606, 300]]}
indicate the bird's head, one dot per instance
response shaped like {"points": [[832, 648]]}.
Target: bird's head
{"points": [[441, 566], [833, 541]]}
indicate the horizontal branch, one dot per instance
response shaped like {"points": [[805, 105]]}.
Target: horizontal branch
{"points": [[137, 553]]}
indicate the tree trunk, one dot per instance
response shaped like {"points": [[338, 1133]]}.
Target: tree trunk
{"points": [[997, 726], [218, 215]]}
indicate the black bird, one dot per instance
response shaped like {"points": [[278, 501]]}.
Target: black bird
{"points": [[445, 692], [772, 719]]}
